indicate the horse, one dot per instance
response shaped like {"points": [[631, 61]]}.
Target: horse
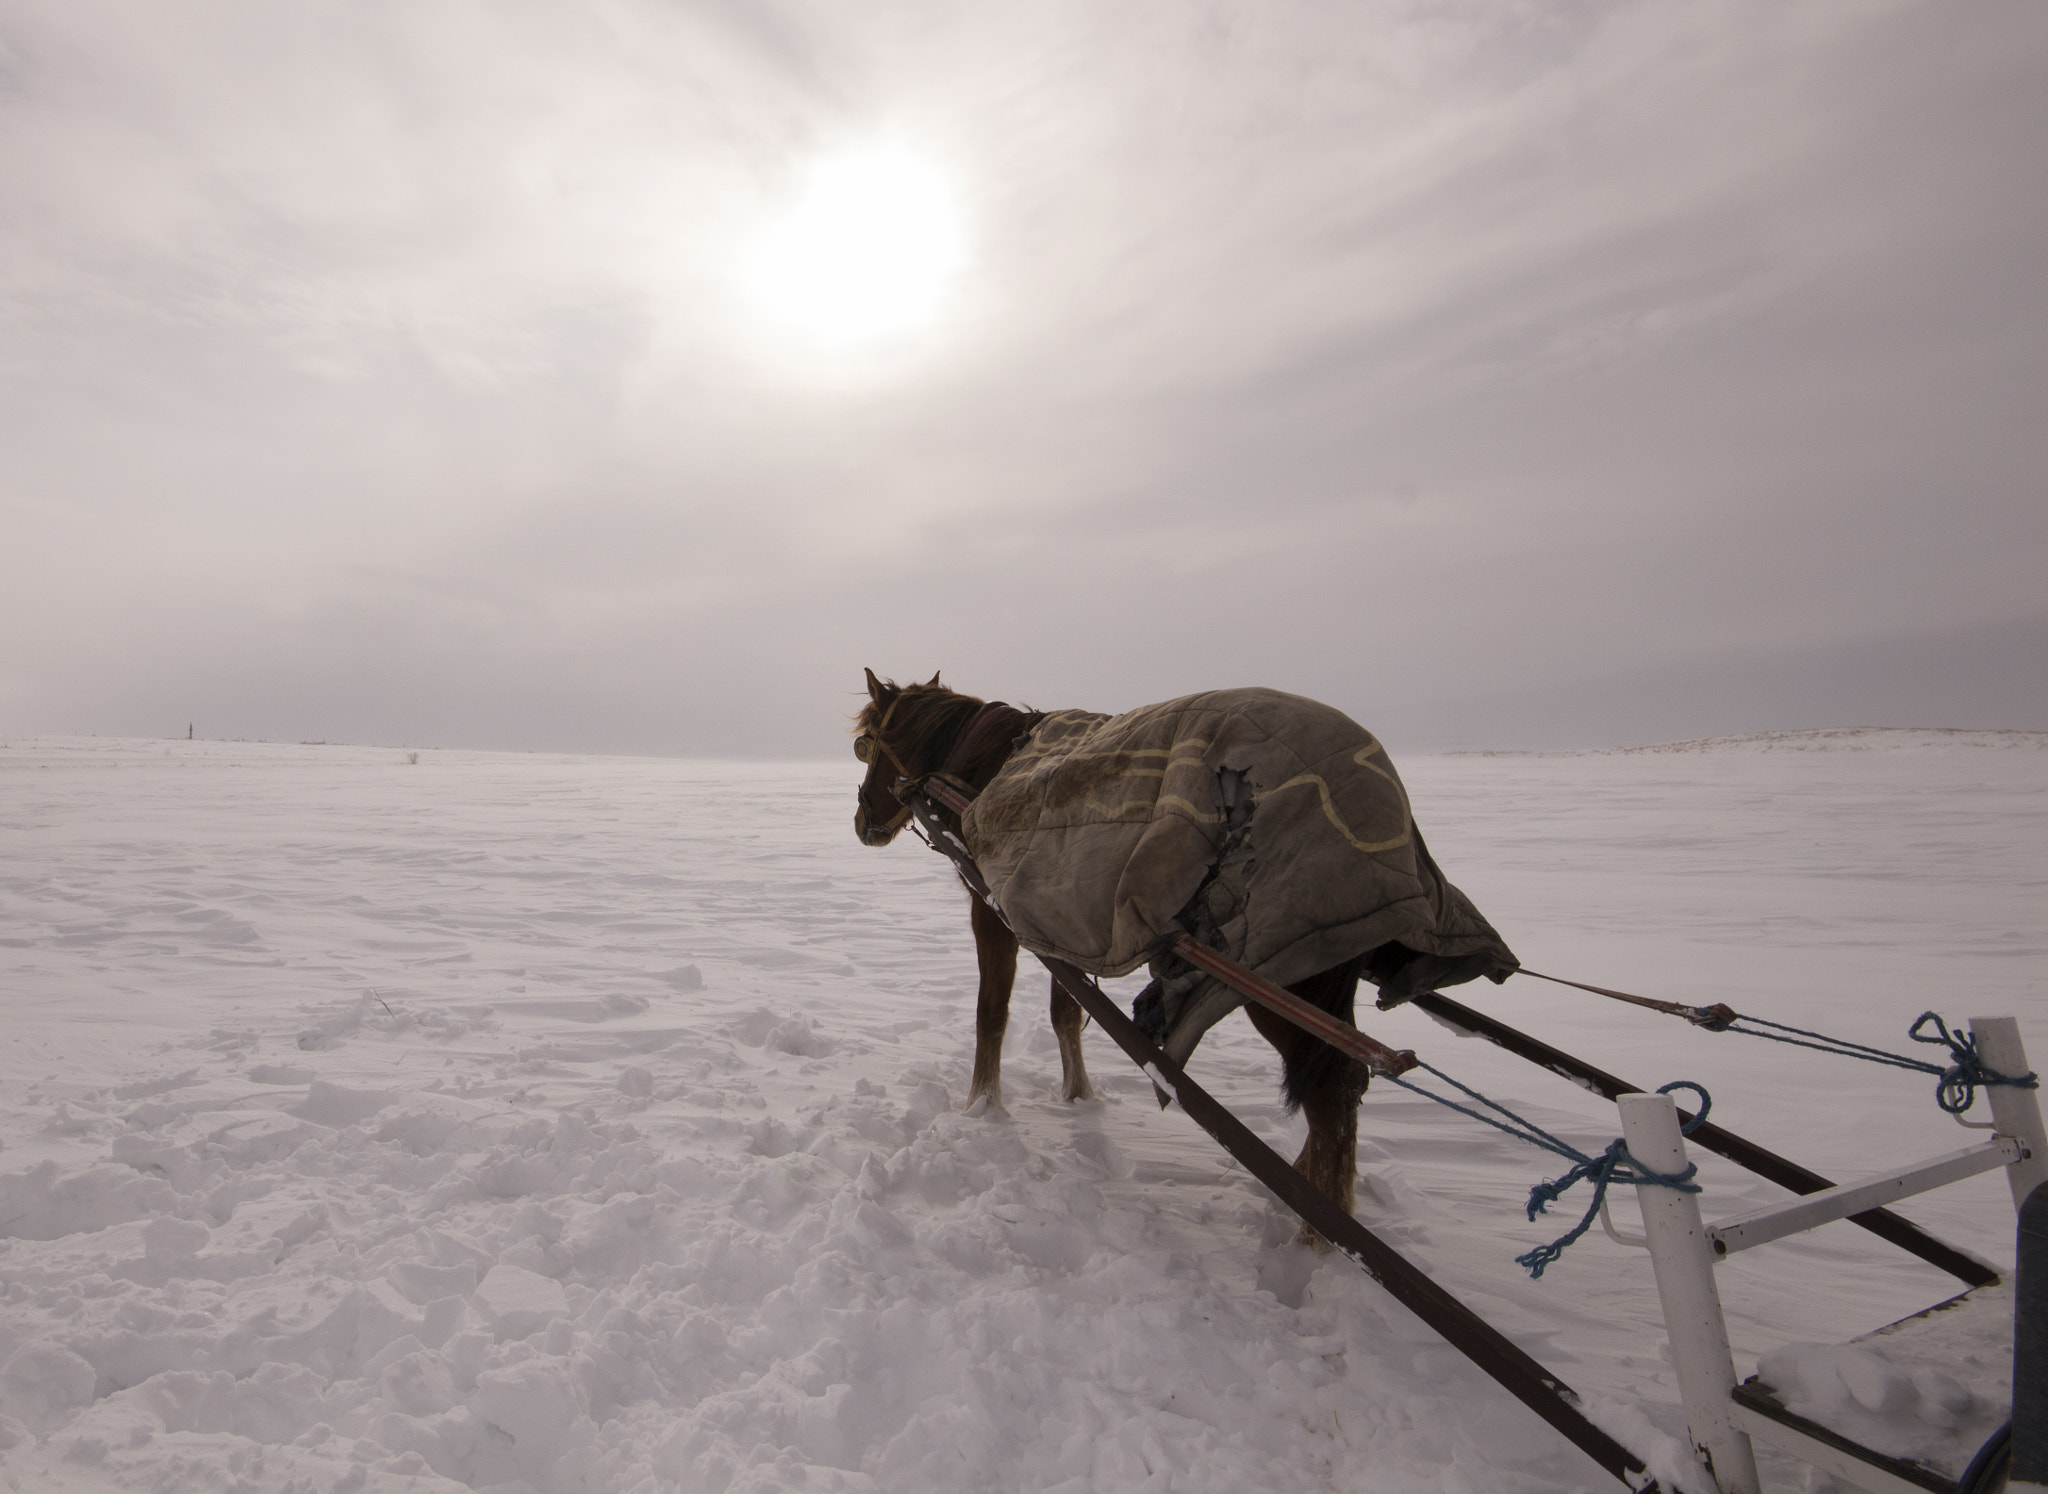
{"points": [[912, 731]]}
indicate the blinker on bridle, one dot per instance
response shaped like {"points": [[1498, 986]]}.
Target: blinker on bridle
{"points": [[865, 744]]}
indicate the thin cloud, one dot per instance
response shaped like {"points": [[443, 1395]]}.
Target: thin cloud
{"points": [[396, 366]]}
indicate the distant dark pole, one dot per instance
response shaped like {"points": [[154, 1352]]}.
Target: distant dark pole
{"points": [[188, 731]]}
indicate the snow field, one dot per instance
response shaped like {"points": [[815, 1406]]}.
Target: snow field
{"points": [[551, 1124]]}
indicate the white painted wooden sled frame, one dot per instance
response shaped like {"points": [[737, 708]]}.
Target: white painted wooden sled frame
{"points": [[1684, 1249]]}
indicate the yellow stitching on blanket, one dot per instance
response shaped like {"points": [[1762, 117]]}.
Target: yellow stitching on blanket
{"points": [[1330, 808], [1052, 749], [1147, 809], [1194, 752], [1373, 749]]}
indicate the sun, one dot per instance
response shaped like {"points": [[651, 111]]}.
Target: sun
{"points": [[868, 252]]}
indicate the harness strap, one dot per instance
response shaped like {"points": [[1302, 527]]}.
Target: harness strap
{"points": [[883, 742], [1715, 1018]]}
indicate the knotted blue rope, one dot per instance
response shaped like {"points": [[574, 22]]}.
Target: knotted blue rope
{"points": [[1614, 1165], [1955, 1084], [1957, 1089]]}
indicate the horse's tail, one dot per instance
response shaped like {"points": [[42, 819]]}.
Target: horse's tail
{"points": [[1313, 1067]]}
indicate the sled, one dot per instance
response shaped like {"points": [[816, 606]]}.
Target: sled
{"points": [[1712, 1407], [2003, 1322]]}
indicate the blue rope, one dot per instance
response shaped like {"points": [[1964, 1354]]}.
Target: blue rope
{"points": [[1615, 1165], [1956, 1083], [1957, 1090], [1521, 1129]]}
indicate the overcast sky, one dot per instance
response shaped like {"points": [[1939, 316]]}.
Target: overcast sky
{"points": [[1504, 373]]}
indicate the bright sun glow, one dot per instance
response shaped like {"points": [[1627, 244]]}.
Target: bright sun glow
{"points": [[868, 251]]}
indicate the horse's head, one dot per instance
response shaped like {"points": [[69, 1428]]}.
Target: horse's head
{"points": [[902, 732]]}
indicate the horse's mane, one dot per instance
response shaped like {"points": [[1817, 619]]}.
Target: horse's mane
{"points": [[924, 721]]}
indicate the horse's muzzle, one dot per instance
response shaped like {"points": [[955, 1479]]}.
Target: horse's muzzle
{"points": [[878, 832], [874, 833]]}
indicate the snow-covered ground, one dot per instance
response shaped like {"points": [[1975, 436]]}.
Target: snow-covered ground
{"points": [[593, 1124]]}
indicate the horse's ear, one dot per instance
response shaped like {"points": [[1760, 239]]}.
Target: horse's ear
{"points": [[933, 680], [874, 686]]}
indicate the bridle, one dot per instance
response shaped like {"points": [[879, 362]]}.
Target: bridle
{"points": [[992, 716], [865, 744], [864, 747]]}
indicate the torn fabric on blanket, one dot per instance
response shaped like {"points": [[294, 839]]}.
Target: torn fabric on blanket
{"points": [[1269, 826]]}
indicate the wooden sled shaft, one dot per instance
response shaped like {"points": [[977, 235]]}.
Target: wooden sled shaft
{"points": [[1334, 1030], [1514, 1370]]}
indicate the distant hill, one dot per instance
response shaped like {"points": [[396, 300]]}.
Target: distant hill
{"points": [[1816, 739]]}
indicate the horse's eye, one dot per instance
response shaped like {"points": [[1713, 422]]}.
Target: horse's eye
{"points": [[864, 748]]}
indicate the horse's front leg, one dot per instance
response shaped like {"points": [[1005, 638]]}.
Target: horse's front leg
{"points": [[1067, 1021], [995, 951]]}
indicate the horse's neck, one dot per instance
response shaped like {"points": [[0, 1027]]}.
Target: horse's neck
{"points": [[989, 756], [986, 756], [982, 771]]}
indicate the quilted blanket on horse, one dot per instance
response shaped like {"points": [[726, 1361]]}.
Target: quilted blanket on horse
{"points": [[1272, 827]]}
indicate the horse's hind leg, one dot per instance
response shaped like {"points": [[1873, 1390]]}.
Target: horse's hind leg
{"points": [[1326, 1084], [1067, 1021], [1329, 1158], [995, 950]]}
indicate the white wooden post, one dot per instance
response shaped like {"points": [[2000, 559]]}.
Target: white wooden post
{"points": [[2016, 1112], [1684, 1262]]}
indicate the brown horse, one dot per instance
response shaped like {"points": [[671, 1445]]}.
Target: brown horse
{"points": [[912, 731]]}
